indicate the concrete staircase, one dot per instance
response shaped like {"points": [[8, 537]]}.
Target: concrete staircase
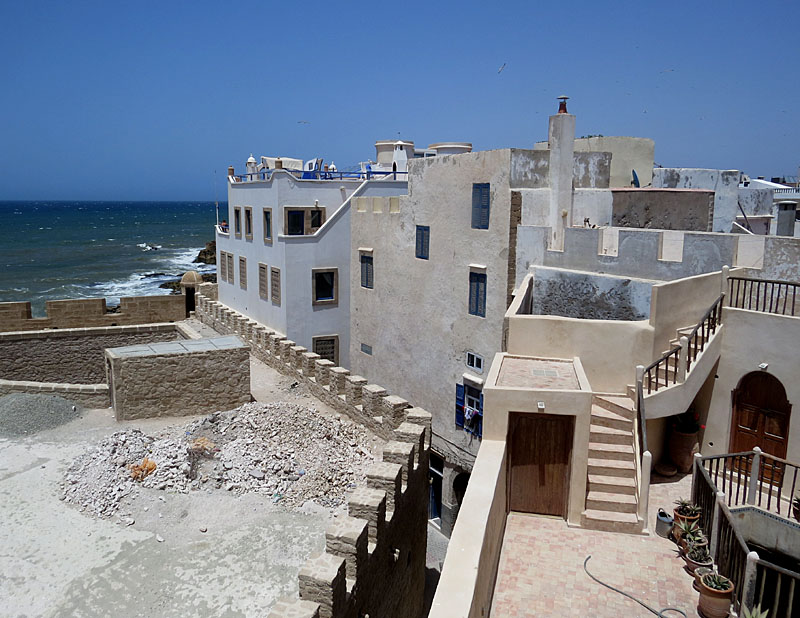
{"points": [[611, 501]]}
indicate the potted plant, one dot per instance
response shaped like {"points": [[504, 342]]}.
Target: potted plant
{"points": [[698, 573], [683, 527], [685, 510], [683, 439], [756, 612], [694, 538], [697, 556], [715, 595]]}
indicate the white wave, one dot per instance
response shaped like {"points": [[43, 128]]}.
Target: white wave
{"points": [[183, 260]]}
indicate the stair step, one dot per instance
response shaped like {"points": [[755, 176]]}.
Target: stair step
{"points": [[613, 502], [612, 484], [621, 452], [610, 435], [612, 467], [607, 418], [616, 403], [611, 522]]}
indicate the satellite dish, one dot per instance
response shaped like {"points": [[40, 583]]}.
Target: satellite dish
{"points": [[635, 179]]}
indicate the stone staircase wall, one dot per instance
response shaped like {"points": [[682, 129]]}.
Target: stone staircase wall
{"points": [[374, 558]]}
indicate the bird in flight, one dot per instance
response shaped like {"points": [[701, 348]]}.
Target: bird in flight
{"points": [[500, 70], [303, 122]]}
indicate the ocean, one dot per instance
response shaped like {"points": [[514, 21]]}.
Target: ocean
{"points": [[55, 250]]}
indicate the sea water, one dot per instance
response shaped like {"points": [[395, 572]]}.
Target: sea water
{"points": [[54, 250]]}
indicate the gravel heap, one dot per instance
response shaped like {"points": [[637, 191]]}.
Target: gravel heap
{"points": [[23, 414], [290, 451]]}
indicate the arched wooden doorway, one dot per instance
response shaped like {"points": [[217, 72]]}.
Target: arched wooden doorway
{"points": [[760, 415]]}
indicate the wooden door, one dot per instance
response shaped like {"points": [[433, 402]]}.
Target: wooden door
{"points": [[540, 451], [761, 414]]}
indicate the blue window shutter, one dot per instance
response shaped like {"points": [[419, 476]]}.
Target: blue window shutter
{"points": [[480, 206], [485, 206], [473, 294], [419, 242], [459, 405], [481, 294], [481, 404]]}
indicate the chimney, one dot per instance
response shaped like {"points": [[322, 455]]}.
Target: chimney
{"points": [[561, 144]]}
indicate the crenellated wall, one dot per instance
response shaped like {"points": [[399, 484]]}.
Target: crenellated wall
{"points": [[86, 312], [374, 559]]}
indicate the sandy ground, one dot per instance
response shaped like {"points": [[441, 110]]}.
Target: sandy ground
{"points": [[55, 561]]}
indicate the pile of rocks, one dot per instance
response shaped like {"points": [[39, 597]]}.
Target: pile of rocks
{"points": [[292, 452], [24, 414]]}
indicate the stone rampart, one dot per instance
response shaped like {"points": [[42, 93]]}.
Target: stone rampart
{"points": [[80, 313], [73, 356], [374, 558], [181, 377], [87, 395]]}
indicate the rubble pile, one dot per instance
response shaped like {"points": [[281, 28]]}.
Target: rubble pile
{"points": [[290, 451]]}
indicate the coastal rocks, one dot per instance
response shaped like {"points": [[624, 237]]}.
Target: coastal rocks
{"points": [[291, 452], [208, 255], [175, 286]]}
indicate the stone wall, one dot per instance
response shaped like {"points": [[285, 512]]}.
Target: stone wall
{"points": [[87, 395], [73, 356], [663, 209], [724, 184], [374, 559], [170, 379], [80, 313]]}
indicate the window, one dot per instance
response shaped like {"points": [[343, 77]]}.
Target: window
{"points": [[229, 257], [248, 222], [263, 280], [469, 409], [477, 294], [295, 222], [366, 349], [480, 206], [327, 347], [316, 219], [243, 272], [237, 221], [275, 284], [423, 241], [223, 266], [367, 274], [475, 361], [268, 225], [324, 284]]}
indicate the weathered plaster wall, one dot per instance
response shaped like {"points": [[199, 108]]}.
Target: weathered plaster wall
{"points": [[591, 170], [589, 296], [91, 312], [663, 209], [73, 356], [425, 363], [529, 169], [168, 382], [781, 259], [724, 184], [764, 529], [751, 338], [756, 201]]}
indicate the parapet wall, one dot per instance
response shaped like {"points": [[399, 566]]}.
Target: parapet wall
{"points": [[73, 355], [80, 313], [374, 558]]}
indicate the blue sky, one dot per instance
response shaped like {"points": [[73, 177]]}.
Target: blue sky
{"points": [[145, 100]]}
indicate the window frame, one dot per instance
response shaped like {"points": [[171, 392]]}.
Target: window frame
{"points": [[477, 282], [266, 221], [243, 272], [475, 366], [422, 250], [366, 349], [263, 281], [367, 270], [478, 221], [275, 290], [317, 338], [248, 222], [324, 301], [237, 221]]}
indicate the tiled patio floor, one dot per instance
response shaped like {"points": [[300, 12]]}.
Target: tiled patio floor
{"points": [[541, 568]]}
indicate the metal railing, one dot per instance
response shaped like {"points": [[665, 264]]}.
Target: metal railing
{"points": [[323, 175], [657, 373], [765, 295], [747, 479], [701, 333]]}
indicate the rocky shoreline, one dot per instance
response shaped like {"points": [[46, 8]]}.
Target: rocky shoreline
{"points": [[207, 255]]}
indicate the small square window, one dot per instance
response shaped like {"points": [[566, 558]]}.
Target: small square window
{"points": [[366, 349], [367, 272], [327, 347], [324, 284], [477, 294], [475, 362], [423, 241]]}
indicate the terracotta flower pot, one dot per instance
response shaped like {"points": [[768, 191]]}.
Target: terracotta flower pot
{"points": [[715, 603], [698, 573], [678, 518], [681, 449], [691, 565]]}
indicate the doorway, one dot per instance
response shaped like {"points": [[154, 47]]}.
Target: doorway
{"points": [[760, 418], [540, 452]]}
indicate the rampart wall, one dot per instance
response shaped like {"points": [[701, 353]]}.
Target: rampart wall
{"points": [[73, 355], [374, 558], [87, 312]]}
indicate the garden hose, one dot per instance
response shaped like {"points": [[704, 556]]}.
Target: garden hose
{"points": [[660, 613]]}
